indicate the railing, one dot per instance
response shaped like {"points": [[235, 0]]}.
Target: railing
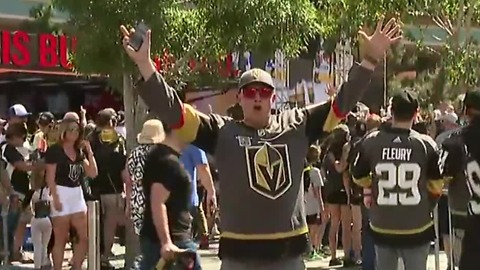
{"points": [[93, 213]]}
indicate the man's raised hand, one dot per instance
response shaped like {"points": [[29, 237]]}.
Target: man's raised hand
{"points": [[380, 41], [143, 54]]}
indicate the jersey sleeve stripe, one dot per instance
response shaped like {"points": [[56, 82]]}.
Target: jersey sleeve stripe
{"points": [[364, 182], [333, 118], [187, 132], [435, 187]]}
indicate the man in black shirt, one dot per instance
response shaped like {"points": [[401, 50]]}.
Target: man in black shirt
{"points": [[109, 149], [167, 221], [15, 159]]}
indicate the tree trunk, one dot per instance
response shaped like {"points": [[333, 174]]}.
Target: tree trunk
{"points": [[131, 240]]}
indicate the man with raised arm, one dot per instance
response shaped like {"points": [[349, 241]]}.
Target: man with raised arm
{"points": [[260, 159]]}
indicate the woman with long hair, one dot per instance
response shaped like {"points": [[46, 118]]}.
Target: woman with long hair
{"points": [[336, 196], [67, 162], [314, 207]]}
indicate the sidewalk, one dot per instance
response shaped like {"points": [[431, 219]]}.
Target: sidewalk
{"points": [[210, 260]]}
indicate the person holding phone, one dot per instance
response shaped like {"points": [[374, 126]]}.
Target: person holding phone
{"points": [[67, 162], [260, 158]]}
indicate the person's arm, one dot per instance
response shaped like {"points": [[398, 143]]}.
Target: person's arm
{"points": [[192, 126], [6, 183], [434, 171], [90, 165], [50, 170], [322, 118], [360, 168], [13, 157], [158, 196], [203, 170]]}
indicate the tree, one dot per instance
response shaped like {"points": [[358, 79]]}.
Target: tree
{"points": [[41, 22], [203, 30], [457, 57]]}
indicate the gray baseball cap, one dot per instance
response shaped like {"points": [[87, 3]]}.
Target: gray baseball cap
{"points": [[255, 75]]}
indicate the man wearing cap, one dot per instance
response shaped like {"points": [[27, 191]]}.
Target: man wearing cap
{"points": [[462, 151], [398, 169], [16, 114], [110, 152], [45, 123], [260, 158]]}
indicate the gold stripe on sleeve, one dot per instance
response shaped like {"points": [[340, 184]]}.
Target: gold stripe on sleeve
{"points": [[191, 124], [435, 187], [333, 118]]}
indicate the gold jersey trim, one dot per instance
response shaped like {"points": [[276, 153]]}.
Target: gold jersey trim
{"points": [[266, 236], [364, 182], [402, 232]]}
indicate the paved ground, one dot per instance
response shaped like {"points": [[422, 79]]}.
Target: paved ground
{"points": [[211, 262]]}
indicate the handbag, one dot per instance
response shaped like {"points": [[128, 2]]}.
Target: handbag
{"points": [[42, 207]]}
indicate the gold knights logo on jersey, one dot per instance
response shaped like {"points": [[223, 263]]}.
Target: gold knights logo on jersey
{"points": [[269, 169]]}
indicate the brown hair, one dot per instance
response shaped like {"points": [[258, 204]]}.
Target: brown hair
{"points": [[62, 129], [373, 121], [313, 154]]}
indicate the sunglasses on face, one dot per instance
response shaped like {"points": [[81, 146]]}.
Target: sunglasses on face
{"points": [[251, 92]]}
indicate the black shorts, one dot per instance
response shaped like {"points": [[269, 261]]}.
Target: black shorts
{"points": [[356, 200], [314, 220], [469, 260], [337, 197]]}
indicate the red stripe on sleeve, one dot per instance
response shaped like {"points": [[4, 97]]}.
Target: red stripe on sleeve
{"points": [[181, 122], [337, 111]]}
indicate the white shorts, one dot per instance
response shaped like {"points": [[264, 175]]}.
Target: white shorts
{"points": [[72, 201]]}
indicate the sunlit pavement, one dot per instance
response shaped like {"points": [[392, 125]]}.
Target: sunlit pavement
{"points": [[210, 260]]}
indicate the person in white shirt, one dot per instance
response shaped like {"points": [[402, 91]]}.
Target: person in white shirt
{"points": [[314, 206], [41, 226]]}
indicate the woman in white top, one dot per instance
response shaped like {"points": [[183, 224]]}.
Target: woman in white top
{"points": [[314, 206], [40, 225]]}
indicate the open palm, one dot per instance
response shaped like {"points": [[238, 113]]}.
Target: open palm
{"points": [[383, 37]]}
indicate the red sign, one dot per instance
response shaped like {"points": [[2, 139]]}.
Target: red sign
{"points": [[223, 66], [43, 51]]}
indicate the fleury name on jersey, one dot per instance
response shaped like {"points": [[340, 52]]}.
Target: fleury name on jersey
{"points": [[391, 153]]}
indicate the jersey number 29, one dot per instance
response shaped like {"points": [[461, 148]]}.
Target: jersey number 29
{"points": [[392, 176]]}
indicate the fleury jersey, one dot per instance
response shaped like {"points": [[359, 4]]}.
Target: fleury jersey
{"points": [[460, 165], [259, 171], [401, 166]]}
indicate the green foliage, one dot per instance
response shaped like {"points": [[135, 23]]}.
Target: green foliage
{"points": [[187, 30], [41, 22], [455, 66]]}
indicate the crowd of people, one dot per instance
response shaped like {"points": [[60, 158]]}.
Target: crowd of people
{"points": [[292, 183]]}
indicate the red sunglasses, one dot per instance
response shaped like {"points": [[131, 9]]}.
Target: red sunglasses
{"points": [[251, 92]]}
